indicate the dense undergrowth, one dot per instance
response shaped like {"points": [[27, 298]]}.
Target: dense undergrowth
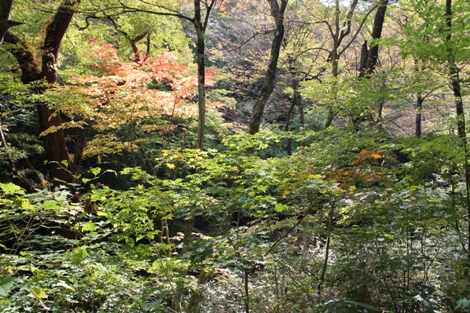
{"points": [[355, 196], [351, 222]]}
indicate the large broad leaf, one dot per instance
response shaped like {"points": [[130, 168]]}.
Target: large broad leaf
{"points": [[427, 305], [89, 226], [6, 284], [78, 255], [61, 283], [12, 189], [462, 304], [38, 292]]}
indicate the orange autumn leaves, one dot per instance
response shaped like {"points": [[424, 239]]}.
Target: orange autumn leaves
{"points": [[146, 94], [363, 170]]}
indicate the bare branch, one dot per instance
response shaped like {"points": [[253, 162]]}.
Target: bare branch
{"points": [[328, 26], [208, 12], [347, 23], [353, 38], [267, 32]]}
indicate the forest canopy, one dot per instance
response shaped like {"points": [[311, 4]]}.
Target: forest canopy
{"points": [[234, 156]]}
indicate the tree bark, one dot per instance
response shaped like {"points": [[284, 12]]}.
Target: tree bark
{"points": [[200, 25], [454, 78], [201, 75], [54, 143], [363, 59], [277, 12], [5, 23], [373, 53], [369, 57], [419, 114]]}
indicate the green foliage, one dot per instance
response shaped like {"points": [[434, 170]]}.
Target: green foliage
{"points": [[294, 203], [432, 30], [6, 285], [353, 220], [158, 35]]}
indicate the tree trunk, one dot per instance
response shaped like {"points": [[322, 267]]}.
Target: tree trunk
{"points": [[373, 52], [54, 143], [368, 60], [419, 112], [338, 36], [277, 12], [363, 59], [454, 77], [200, 25], [419, 104], [5, 22], [459, 109], [334, 72], [201, 65], [188, 231], [296, 101]]}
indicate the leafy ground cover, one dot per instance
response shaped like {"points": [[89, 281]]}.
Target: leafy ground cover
{"points": [[130, 181]]}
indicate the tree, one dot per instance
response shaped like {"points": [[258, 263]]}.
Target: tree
{"points": [[5, 22], [369, 56], [338, 33], [200, 21], [445, 27], [131, 108], [54, 142], [339, 25], [454, 78], [277, 12], [454, 75]]}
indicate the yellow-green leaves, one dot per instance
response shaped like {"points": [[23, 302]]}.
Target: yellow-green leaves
{"points": [[39, 293], [78, 255], [11, 189]]}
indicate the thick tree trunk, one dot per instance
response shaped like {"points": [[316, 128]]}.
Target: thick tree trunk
{"points": [[368, 60], [5, 23], [28, 64], [370, 56], [373, 52], [54, 142], [277, 13]]}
